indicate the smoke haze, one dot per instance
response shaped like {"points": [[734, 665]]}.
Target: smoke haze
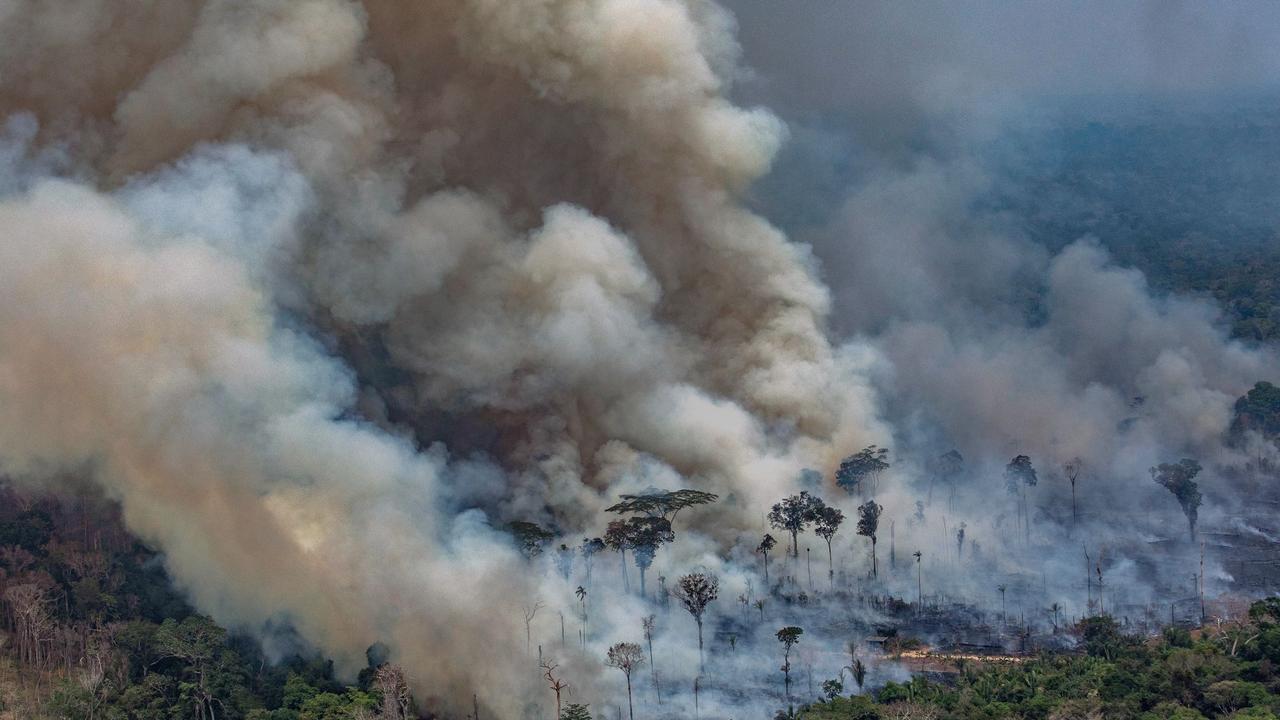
{"points": [[325, 293]]}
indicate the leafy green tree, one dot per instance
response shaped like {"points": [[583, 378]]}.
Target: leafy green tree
{"points": [[1259, 411], [208, 670], [574, 711]]}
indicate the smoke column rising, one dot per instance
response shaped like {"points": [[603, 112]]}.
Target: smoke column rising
{"points": [[326, 292], [520, 220]]}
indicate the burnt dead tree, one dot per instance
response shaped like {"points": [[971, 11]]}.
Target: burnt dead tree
{"points": [[695, 592]]}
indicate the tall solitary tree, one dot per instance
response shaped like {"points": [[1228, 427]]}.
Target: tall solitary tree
{"points": [[1072, 469], [919, 582], [1179, 479], [556, 684], [868, 523], [766, 544], [793, 514], [657, 503], [695, 592], [581, 594], [626, 657], [825, 526], [862, 468], [650, 623], [788, 636]]}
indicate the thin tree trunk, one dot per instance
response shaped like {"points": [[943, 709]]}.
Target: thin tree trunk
{"points": [[702, 663], [831, 566], [630, 708], [626, 579]]}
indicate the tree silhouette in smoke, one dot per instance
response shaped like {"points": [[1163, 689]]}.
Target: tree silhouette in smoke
{"points": [[868, 524], [626, 657], [863, 466], [767, 544], [788, 636], [793, 514], [947, 467], [828, 522], [661, 504], [618, 538], [1179, 479], [1019, 475], [530, 537], [695, 592], [646, 535]]}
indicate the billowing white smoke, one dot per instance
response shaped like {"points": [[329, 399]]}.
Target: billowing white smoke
{"points": [[526, 213]]}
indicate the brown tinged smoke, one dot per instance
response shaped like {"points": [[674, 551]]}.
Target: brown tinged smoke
{"points": [[527, 212]]}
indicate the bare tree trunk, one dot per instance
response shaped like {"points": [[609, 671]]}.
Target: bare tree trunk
{"points": [[702, 663], [630, 708]]}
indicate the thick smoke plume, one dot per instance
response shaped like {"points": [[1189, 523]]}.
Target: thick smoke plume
{"points": [[326, 292], [322, 291]]}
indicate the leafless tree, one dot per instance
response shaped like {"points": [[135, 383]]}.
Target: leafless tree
{"points": [[530, 612], [556, 684], [626, 657], [397, 702], [650, 623], [32, 620]]}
